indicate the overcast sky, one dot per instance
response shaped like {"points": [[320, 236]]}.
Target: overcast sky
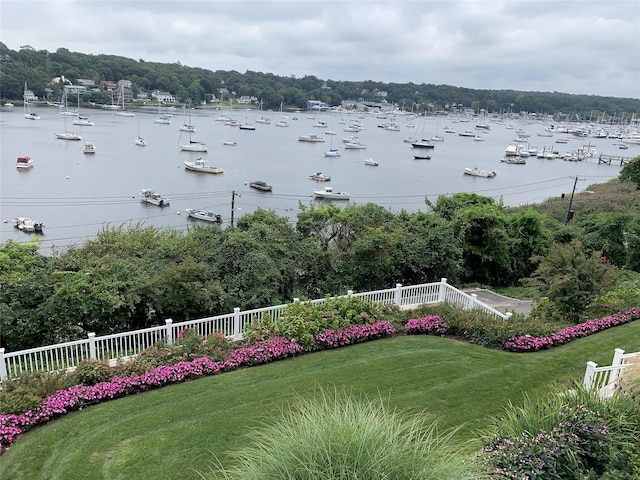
{"points": [[582, 47]]}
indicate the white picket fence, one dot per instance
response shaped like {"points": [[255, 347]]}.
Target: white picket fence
{"points": [[118, 346], [606, 379]]}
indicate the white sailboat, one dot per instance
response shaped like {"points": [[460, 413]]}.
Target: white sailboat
{"points": [[28, 114], [123, 112], [162, 118], [187, 126], [82, 121], [68, 134], [141, 142], [191, 145], [64, 108]]}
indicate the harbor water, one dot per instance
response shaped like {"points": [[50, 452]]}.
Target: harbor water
{"points": [[76, 195]]}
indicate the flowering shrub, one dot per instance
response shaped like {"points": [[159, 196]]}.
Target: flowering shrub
{"points": [[431, 324], [528, 343], [76, 397], [577, 444], [353, 334]]}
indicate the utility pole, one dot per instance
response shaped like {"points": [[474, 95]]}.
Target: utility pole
{"points": [[566, 217], [233, 205]]}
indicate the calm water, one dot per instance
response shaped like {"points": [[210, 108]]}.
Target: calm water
{"points": [[76, 195]]}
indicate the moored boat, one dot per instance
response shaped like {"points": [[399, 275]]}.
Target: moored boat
{"points": [[24, 162], [260, 185], [371, 162], [320, 177], [421, 156], [328, 194], [89, 147], [201, 166], [514, 160], [150, 196], [422, 144], [333, 152], [311, 137], [207, 216], [141, 142], [476, 172], [27, 225]]}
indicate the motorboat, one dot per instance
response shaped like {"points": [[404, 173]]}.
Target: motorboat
{"points": [[328, 194], [282, 123], [201, 166], [333, 152], [24, 162], [311, 137], [514, 160], [354, 145], [150, 196], [466, 133], [260, 185], [478, 138], [89, 147], [207, 216], [27, 225], [421, 156], [320, 177], [83, 121], [476, 172], [230, 143], [513, 150], [371, 162]]}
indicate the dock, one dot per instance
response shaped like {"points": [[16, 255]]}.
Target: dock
{"points": [[609, 159]]}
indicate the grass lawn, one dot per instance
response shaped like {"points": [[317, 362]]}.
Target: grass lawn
{"points": [[173, 432]]}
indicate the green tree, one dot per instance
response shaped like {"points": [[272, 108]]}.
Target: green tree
{"points": [[570, 277], [631, 172]]}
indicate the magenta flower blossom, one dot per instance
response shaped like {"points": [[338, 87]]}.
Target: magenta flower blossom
{"points": [[431, 325]]}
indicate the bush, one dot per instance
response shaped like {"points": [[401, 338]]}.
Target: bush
{"points": [[26, 392], [91, 371], [573, 435], [191, 345], [302, 320], [339, 437]]}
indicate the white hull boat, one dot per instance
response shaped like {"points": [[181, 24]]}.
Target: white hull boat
{"points": [[476, 172], [371, 162], [328, 194], [201, 166], [89, 147], [27, 225], [24, 162], [206, 216], [150, 196]]}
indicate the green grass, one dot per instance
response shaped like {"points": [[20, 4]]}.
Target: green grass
{"points": [[174, 432]]}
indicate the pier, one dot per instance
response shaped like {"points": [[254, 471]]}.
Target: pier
{"points": [[609, 159]]}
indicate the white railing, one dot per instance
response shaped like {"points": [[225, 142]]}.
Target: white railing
{"points": [[605, 379], [117, 346]]}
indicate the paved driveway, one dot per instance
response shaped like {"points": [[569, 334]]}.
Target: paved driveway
{"points": [[500, 302]]}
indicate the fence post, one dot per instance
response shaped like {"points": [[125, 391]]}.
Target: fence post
{"points": [[617, 357], [472, 301], [443, 290], [508, 316], [168, 324], [349, 293], [3, 366], [296, 300], [236, 323], [92, 345], [398, 294], [588, 374]]}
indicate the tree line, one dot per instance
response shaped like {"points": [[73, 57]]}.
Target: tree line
{"points": [[135, 277], [194, 84]]}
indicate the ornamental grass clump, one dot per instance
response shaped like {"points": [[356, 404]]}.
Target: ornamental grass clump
{"points": [[334, 436]]}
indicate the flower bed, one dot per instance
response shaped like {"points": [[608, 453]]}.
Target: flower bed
{"points": [[528, 343], [353, 334], [431, 324]]}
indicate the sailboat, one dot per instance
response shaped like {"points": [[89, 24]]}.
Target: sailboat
{"points": [[27, 111], [192, 145], [64, 108], [246, 125], [123, 112], [187, 126], [68, 134], [141, 142], [163, 119], [82, 121], [283, 122], [262, 118]]}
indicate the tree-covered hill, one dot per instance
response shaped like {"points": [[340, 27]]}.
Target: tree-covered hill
{"points": [[37, 68]]}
